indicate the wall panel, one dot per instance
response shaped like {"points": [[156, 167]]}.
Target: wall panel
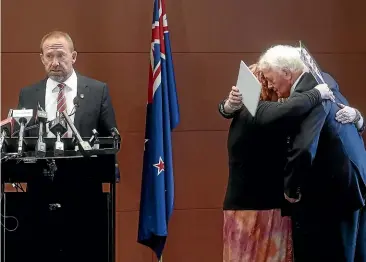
{"points": [[127, 248], [130, 159], [209, 38], [195, 236], [96, 26], [251, 26], [200, 162], [197, 26]]}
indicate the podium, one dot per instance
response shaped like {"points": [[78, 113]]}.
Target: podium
{"points": [[59, 177]]}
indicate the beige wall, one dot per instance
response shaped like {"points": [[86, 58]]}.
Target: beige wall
{"points": [[209, 37]]}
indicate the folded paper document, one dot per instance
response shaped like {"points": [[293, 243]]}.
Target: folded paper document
{"points": [[249, 87]]}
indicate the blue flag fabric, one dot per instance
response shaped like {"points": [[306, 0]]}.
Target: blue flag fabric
{"points": [[162, 116]]}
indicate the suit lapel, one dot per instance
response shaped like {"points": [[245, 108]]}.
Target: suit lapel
{"points": [[40, 94], [82, 91], [306, 83]]}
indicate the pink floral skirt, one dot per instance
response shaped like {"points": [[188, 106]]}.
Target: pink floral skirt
{"points": [[257, 236]]}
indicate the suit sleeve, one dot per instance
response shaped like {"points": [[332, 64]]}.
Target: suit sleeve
{"points": [[297, 105], [305, 144], [107, 121], [21, 100], [107, 118]]}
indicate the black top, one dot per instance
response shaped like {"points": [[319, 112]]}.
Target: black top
{"points": [[256, 148]]}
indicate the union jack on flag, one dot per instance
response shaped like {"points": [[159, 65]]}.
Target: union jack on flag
{"points": [[162, 116]]}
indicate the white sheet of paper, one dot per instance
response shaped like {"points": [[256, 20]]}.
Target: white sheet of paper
{"points": [[249, 87]]}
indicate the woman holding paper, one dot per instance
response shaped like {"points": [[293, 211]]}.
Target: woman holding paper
{"points": [[254, 228]]}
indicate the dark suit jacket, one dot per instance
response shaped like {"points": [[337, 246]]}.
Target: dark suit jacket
{"points": [[95, 110], [327, 160], [257, 148]]}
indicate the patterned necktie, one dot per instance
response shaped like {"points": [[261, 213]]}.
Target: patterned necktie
{"points": [[61, 98], [61, 102]]}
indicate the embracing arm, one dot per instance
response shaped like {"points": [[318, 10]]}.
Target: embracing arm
{"points": [[345, 108], [298, 105], [302, 153]]}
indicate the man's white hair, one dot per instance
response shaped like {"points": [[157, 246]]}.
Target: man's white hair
{"points": [[282, 57]]}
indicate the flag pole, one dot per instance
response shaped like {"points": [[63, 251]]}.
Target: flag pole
{"points": [[161, 258]]}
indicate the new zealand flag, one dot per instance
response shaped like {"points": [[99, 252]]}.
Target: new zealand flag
{"points": [[162, 116]]}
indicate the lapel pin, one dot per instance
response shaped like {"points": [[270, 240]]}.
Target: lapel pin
{"points": [[81, 96]]}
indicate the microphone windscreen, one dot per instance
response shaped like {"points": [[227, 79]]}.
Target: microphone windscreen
{"points": [[76, 101]]}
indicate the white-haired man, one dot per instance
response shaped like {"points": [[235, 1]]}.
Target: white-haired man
{"points": [[326, 167]]}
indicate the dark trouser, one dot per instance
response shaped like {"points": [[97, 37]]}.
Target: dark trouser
{"points": [[332, 236]]}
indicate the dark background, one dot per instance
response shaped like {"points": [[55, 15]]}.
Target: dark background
{"points": [[209, 38]]}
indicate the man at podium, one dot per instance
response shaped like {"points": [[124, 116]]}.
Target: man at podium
{"points": [[65, 222]]}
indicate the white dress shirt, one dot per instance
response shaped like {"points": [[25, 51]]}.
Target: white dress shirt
{"points": [[51, 99]]}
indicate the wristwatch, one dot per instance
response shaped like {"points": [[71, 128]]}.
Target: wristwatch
{"points": [[222, 110]]}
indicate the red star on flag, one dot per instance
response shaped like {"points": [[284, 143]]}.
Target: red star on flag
{"points": [[159, 166]]}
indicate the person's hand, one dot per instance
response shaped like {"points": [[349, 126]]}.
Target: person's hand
{"points": [[325, 92], [234, 101], [235, 98], [346, 114]]}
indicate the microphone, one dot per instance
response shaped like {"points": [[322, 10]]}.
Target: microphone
{"points": [[7, 126], [84, 146], [76, 102], [116, 136], [58, 127], [22, 117], [41, 119], [115, 133], [94, 140]]}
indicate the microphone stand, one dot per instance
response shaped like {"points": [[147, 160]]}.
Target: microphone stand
{"points": [[73, 111], [58, 127], [22, 122], [84, 146], [23, 117], [94, 140], [117, 137], [2, 139], [41, 145]]}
